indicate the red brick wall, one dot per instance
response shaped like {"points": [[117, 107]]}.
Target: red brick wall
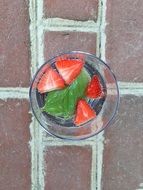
{"points": [[34, 31]]}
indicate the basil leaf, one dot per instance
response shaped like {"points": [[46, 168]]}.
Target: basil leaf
{"points": [[63, 102]]}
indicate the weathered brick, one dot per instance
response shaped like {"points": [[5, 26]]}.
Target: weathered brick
{"points": [[14, 43], [123, 163], [124, 45], [57, 42], [75, 10], [15, 161], [68, 167]]}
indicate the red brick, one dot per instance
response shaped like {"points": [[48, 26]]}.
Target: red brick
{"points": [[75, 10], [14, 150], [123, 152], [57, 42], [68, 167], [14, 43], [124, 45]]}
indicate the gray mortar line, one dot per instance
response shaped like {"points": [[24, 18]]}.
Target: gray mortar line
{"points": [[33, 35], [66, 143], [34, 146], [100, 143], [14, 93], [100, 149], [34, 127], [59, 24], [40, 61], [93, 166]]}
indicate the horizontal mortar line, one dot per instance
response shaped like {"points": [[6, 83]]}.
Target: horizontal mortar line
{"points": [[141, 185], [58, 24], [17, 93], [68, 143], [135, 92], [131, 88], [129, 85]]}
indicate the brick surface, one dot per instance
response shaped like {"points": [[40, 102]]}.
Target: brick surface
{"points": [[57, 42], [123, 152], [124, 45], [14, 43], [75, 10], [68, 167], [14, 151]]}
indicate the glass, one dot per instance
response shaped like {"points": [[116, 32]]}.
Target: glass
{"points": [[107, 107]]}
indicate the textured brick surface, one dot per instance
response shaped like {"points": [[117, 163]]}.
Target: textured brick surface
{"points": [[124, 47], [68, 167], [75, 10], [14, 43], [57, 42], [123, 163], [14, 151]]}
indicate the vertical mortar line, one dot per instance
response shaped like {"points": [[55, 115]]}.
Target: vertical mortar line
{"points": [[93, 166], [41, 160], [40, 33], [95, 149], [102, 30], [40, 60], [98, 44], [100, 137], [100, 149], [33, 35], [34, 155], [98, 31], [94, 171], [34, 144]]}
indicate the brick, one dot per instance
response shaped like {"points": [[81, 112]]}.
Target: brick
{"points": [[72, 167], [77, 10], [124, 39], [14, 43], [123, 163], [57, 42], [14, 150]]}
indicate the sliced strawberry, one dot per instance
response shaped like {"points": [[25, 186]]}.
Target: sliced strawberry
{"points": [[69, 69], [84, 112], [94, 89], [49, 81]]}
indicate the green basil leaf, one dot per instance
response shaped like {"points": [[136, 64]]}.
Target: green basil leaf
{"points": [[63, 102]]}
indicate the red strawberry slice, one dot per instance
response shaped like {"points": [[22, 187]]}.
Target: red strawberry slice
{"points": [[84, 112], [94, 89], [49, 81], [69, 69]]}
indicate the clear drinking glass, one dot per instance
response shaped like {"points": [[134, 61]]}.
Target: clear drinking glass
{"points": [[106, 106]]}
